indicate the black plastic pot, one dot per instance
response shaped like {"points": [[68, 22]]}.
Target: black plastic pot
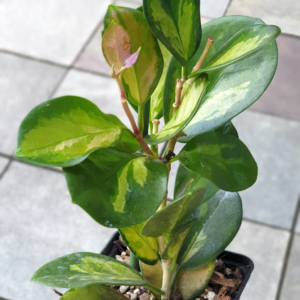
{"points": [[231, 259]]}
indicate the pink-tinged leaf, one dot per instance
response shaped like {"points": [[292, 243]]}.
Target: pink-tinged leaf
{"points": [[131, 60], [116, 45]]}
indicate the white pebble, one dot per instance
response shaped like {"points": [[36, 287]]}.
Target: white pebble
{"points": [[152, 297], [123, 288], [128, 293], [133, 296], [123, 254], [211, 295], [228, 271], [132, 287], [136, 291]]}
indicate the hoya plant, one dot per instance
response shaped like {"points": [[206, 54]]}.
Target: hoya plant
{"points": [[195, 79]]}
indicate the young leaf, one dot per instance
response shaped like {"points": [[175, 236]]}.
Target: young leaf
{"points": [[221, 158], [232, 89], [218, 222], [144, 248], [63, 131], [116, 45], [118, 189], [142, 78], [83, 269], [128, 142], [176, 24], [183, 115], [93, 292], [172, 215], [132, 59], [190, 284]]}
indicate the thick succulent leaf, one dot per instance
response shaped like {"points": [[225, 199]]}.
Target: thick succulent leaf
{"points": [[144, 248], [128, 142], [141, 80], [222, 159], [190, 284], [232, 89], [116, 45], [183, 176], [243, 44], [84, 268], [189, 106], [118, 189], [164, 221], [93, 292], [228, 128], [63, 131], [152, 274], [172, 248], [176, 24], [156, 106], [218, 222]]}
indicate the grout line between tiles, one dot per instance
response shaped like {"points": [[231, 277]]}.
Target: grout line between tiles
{"points": [[6, 168], [288, 252], [227, 8], [266, 224]]}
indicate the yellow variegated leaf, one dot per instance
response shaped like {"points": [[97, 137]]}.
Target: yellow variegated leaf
{"points": [[145, 248]]}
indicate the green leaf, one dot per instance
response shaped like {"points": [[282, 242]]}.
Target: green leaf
{"points": [[221, 158], [190, 284], [172, 248], [218, 222], [128, 141], [116, 45], [183, 176], [84, 268], [141, 80], [176, 24], [232, 89], [118, 189], [189, 106], [243, 44], [172, 215], [93, 292], [228, 128], [156, 105], [63, 131], [144, 248]]}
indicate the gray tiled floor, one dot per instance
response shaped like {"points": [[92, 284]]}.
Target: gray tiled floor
{"points": [[291, 287], [297, 229], [38, 223], [3, 162], [274, 143], [54, 30], [23, 84], [266, 247], [283, 13], [213, 8]]}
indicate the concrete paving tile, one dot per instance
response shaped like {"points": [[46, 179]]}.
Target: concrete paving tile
{"points": [[282, 96], [274, 143], [291, 285], [266, 247], [23, 84], [38, 223], [283, 13], [213, 8], [297, 229], [3, 163], [101, 90], [54, 30]]}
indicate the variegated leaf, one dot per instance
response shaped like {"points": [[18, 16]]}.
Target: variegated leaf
{"points": [[93, 292], [118, 189], [190, 284], [217, 222], [164, 221], [176, 24], [144, 248], [189, 106], [221, 158], [244, 43], [64, 131], [152, 274], [141, 80], [228, 128]]}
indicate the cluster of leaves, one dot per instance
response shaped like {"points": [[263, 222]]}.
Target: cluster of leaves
{"points": [[108, 174]]}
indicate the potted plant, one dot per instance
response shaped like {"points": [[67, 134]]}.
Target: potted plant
{"points": [[197, 78]]}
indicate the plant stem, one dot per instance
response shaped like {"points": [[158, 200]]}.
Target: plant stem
{"points": [[179, 87], [184, 70], [141, 118], [167, 276], [134, 262], [154, 148], [174, 277]]}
